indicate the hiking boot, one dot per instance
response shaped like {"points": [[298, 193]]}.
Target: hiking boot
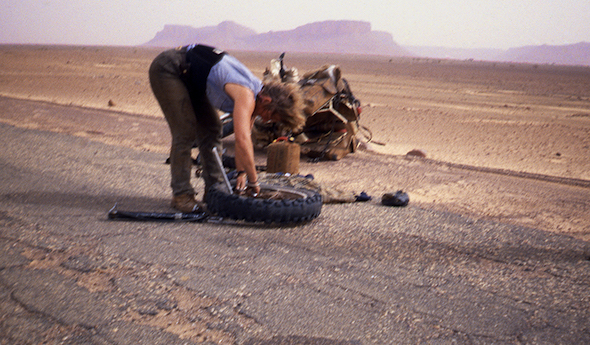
{"points": [[186, 203]]}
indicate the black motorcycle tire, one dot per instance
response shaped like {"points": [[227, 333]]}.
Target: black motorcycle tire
{"points": [[304, 205]]}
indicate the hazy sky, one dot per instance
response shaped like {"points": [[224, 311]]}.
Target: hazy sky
{"points": [[450, 23]]}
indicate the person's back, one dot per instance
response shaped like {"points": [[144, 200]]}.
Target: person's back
{"points": [[229, 70]]}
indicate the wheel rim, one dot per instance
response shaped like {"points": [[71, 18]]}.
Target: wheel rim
{"points": [[279, 193]]}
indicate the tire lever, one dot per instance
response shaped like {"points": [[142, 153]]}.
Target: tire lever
{"points": [[220, 164]]}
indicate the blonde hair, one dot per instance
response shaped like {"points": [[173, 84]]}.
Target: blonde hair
{"points": [[287, 102]]}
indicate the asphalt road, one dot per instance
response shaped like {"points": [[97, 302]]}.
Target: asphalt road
{"points": [[361, 273]]}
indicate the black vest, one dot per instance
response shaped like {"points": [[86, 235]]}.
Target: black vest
{"points": [[200, 60]]}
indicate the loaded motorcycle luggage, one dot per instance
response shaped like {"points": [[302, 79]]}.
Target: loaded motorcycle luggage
{"points": [[331, 109]]}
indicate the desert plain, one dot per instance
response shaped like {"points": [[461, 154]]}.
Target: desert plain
{"points": [[505, 119], [493, 247]]}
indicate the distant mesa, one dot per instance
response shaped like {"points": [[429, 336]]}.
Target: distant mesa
{"points": [[226, 35], [572, 54], [341, 37], [355, 37]]}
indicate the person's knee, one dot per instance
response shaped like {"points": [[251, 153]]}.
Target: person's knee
{"points": [[183, 142]]}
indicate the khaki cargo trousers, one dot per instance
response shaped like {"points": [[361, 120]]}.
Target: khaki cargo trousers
{"points": [[191, 119]]}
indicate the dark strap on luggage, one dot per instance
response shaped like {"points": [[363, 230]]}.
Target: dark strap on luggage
{"points": [[201, 59]]}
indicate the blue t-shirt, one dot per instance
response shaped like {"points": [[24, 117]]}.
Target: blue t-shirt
{"points": [[229, 70]]}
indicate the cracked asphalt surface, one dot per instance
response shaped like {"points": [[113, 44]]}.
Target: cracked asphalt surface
{"points": [[361, 273]]}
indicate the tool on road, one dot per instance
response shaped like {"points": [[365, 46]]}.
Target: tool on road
{"points": [[161, 216]]}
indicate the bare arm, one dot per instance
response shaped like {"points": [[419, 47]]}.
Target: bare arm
{"points": [[244, 104]]}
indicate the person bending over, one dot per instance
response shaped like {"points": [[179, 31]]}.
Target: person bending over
{"points": [[191, 83]]}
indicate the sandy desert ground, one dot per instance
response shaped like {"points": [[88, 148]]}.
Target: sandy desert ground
{"points": [[532, 120]]}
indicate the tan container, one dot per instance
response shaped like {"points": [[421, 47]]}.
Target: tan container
{"points": [[283, 156]]}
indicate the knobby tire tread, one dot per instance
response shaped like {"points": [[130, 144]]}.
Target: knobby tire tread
{"points": [[237, 207]]}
